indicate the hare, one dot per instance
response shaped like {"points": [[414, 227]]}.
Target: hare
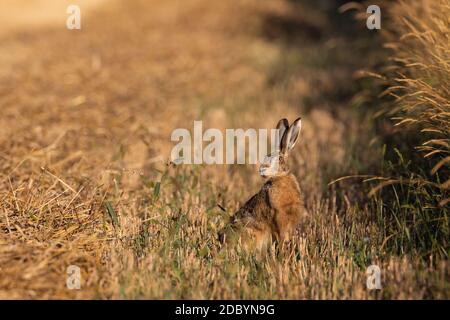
{"points": [[277, 209]]}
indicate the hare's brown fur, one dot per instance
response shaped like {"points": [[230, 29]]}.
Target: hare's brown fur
{"points": [[273, 213], [278, 208]]}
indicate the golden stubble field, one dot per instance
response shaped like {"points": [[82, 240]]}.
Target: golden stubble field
{"points": [[85, 125]]}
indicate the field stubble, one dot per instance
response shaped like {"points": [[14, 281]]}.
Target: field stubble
{"points": [[85, 115]]}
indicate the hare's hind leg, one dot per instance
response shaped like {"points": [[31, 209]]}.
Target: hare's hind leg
{"points": [[287, 221], [255, 237], [262, 238]]}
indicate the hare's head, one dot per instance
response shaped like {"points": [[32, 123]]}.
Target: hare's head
{"points": [[275, 164]]}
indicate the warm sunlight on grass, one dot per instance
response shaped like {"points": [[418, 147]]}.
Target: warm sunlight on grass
{"points": [[85, 125]]}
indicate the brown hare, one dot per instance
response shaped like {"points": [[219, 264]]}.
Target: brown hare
{"points": [[277, 209]]}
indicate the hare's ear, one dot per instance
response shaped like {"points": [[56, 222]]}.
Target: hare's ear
{"points": [[294, 129], [290, 137], [282, 127]]}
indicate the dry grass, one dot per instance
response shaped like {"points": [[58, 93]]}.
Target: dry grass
{"points": [[419, 81], [413, 123], [86, 115]]}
